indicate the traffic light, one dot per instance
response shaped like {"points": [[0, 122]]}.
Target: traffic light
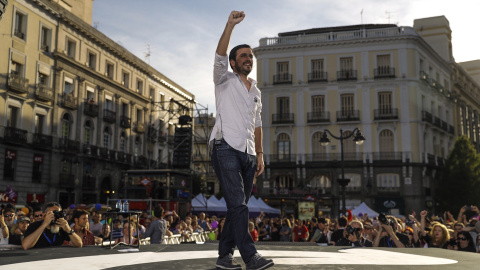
{"points": [[182, 143]]}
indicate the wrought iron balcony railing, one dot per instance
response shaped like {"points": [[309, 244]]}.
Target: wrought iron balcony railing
{"points": [[17, 83], [42, 141], [44, 93], [283, 118], [69, 101], [140, 127], [318, 76], [284, 78], [384, 72], [90, 109], [347, 75], [318, 117], [385, 114], [125, 121], [15, 135], [348, 115], [109, 116]]}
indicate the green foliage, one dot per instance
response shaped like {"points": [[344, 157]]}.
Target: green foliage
{"points": [[459, 180]]}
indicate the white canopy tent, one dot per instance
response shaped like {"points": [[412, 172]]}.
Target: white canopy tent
{"points": [[364, 209]]}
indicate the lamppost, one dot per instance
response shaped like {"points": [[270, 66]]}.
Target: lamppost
{"points": [[358, 139]]}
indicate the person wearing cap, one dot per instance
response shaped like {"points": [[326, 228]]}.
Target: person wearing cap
{"points": [[18, 230], [320, 235]]}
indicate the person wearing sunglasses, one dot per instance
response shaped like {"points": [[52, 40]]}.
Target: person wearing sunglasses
{"points": [[37, 214], [465, 242], [9, 217]]}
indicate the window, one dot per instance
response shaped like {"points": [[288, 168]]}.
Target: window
{"points": [[152, 93], [283, 146], [139, 86], [108, 103], [9, 166], [125, 79], [355, 181], [107, 134], [283, 74], [92, 60], [388, 181], [88, 133], [318, 72], [347, 105], [317, 147], [16, 68], [349, 146], [37, 168], [45, 37], [123, 143], [138, 146], [383, 65], [386, 141], [90, 94], [66, 126], [71, 47], [109, 70], [43, 79], [39, 122], [318, 104], [68, 86], [385, 103], [284, 181], [321, 182], [20, 26], [12, 116], [125, 109], [139, 116], [283, 105], [346, 65]]}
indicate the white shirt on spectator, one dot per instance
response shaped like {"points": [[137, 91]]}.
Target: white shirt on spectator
{"points": [[238, 110]]}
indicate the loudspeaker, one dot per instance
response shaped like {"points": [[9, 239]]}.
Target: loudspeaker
{"points": [[182, 143]]}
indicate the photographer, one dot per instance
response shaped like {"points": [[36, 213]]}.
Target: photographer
{"points": [[4, 232], [387, 233], [352, 236], [52, 231]]}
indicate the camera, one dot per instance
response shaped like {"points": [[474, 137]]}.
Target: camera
{"points": [[453, 242], [351, 230], [384, 220], [409, 222], [57, 214]]}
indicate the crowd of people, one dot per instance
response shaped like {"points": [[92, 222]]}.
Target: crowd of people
{"points": [[51, 226]]}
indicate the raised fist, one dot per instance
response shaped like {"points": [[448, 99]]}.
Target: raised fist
{"points": [[236, 17]]}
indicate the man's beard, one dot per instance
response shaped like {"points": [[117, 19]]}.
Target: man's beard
{"points": [[241, 69], [54, 229], [9, 223]]}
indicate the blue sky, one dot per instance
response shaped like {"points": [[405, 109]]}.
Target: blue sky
{"points": [[183, 34]]}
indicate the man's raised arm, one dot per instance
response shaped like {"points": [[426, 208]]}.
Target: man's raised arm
{"points": [[234, 18]]}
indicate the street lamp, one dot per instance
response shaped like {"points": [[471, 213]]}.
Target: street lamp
{"points": [[358, 139]]}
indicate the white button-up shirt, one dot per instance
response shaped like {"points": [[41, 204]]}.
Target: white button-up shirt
{"points": [[238, 110]]}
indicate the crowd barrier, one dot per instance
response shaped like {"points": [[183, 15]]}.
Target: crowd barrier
{"points": [[178, 238]]}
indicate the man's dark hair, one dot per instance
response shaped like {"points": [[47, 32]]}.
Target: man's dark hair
{"points": [[158, 211], [51, 204], [342, 221], [78, 213], [233, 53], [37, 208]]}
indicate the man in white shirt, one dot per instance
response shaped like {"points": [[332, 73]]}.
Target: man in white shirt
{"points": [[237, 155]]}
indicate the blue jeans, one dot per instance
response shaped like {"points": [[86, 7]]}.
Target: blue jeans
{"points": [[235, 171]]}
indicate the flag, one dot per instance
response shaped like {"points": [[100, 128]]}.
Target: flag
{"points": [[10, 193]]}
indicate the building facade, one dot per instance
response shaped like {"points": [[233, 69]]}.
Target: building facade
{"points": [[77, 109], [398, 85]]}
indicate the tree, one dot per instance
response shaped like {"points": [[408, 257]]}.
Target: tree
{"points": [[459, 180]]}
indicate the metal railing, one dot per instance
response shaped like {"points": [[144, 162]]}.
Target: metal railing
{"points": [[347, 75], [43, 92], [385, 114], [283, 118], [282, 78], [140, 127], [318, 76], [17, 83], [90, 109], [109, 116], [15, 135], [348, 115], [42, 141], [125, 121], [69, 101], [318, 117], [384, 72]]}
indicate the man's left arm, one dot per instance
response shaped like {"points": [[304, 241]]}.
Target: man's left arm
{"points": [[259, 150]]}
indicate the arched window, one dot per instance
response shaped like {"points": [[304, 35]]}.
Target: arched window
{"points": [[66, 123], [283, 147], [284, 181], [88, 132], [107, 135], [386, 141], [123, 142], [317, 147]]}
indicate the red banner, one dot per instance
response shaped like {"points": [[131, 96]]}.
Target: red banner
{"points": [[37, 198], [10, 154], [4, 198]]}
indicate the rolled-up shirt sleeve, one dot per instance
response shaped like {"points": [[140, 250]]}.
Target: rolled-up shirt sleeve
{"points": [[258, 115], [220, 69]]}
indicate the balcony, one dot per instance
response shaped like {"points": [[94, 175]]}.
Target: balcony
{"points": [[90, 109], [424, 76], [347, 75], [282, 158], [15, 135], [318, 77], [348, 115], [69, 101], [334, 157], [427, 117], [42, 141], [44, 93], [444, 126], [69, 145], [298, 192], [162, 136], [109, 116], [282, 79], [385, 114], [125, 121], [104, 153], [141, 161], [318, 117], [384, 73], [66, 180], [140, 127], [283, 118], [437, 122], [384, 156], [17, 83], [91, 150], [88, 183]]}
